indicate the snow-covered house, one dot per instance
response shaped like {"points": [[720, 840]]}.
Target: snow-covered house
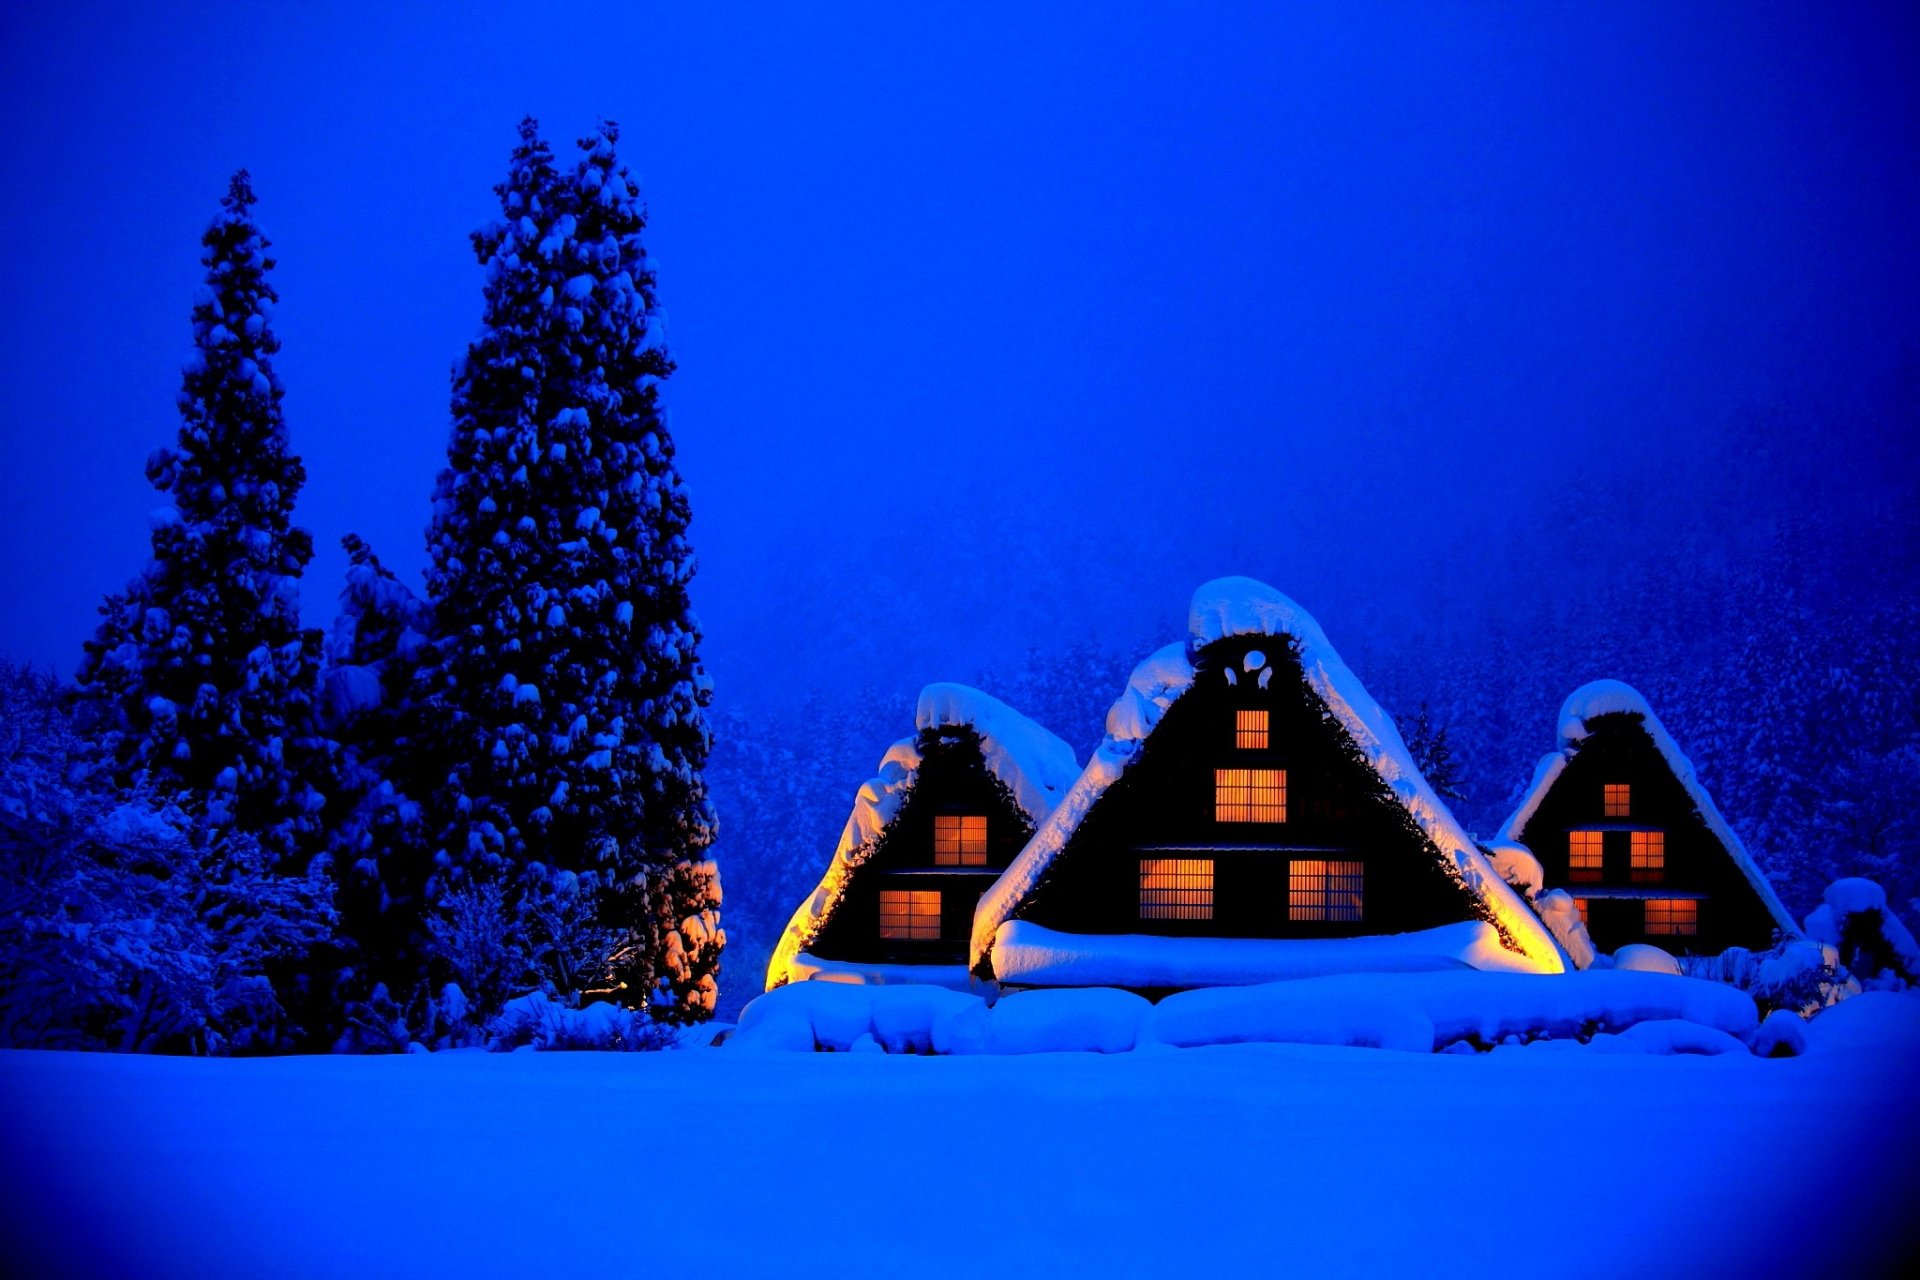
{"points": [[1618, 820], [948, 810], [1252, 814]]}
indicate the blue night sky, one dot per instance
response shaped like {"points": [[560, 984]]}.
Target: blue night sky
{"points": [[997, 325]]}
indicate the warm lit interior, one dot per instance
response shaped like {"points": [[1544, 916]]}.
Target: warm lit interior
{"points": [[1249, 795], [1616, 798], [1673, 916], [1318, 890], [1176, 888], [1250, 730], [1581, 905], [1649, 857], [910, 913], [1586, 855], [959, 840]]}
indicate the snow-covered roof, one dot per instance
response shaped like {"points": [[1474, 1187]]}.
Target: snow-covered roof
{"points": [[1033, 764], [1613, 697], [1228, 607]]}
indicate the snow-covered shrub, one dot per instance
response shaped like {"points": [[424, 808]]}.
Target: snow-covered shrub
{"points": [[126, 921], [1796, 974], [538, 1021], [478, 939], [1873, 943]]}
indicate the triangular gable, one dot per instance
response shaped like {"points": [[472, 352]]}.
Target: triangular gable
{"points": [[1230, 607], [1610, 697], [1036, 767]]}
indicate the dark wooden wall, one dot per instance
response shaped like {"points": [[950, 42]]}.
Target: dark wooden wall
{"points": [[952, 779], [1337, 808], [1618, 748]]}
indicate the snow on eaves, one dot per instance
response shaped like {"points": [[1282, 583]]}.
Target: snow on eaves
{"points": [[1613, 697], [1035, 766], [1229, 607]]}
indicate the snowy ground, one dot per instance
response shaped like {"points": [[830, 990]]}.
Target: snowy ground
{"points": [[1257, 1159]]}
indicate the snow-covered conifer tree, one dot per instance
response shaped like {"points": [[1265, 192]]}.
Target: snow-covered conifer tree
{"points": [[565, 682], [200, 670]]}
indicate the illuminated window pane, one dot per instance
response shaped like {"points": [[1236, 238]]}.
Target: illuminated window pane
{"points": [[1250, 730], [1325, 890], [1615, 799], [1673, 916], [959, 841], [1249, 795], [910, 913], [1649, 857], [1176, 888], [1585, 856], [1581, 904]]}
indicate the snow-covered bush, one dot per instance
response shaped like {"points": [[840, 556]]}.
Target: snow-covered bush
{"points": [[1796, 974], [1872, 942], [129, 922], [540, 1022]]}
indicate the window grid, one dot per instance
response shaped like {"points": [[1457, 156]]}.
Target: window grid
{"points": [[1318, 890], [1176, 888], [1586, 855], [1249, 795], [1673, 916], [1616, 799], [1250, 730], [959, 840], [1581, 905], [913, 914], [1649, 857]]}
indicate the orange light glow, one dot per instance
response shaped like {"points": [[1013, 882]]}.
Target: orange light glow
{"points": [[1325, 890], [1580, 904], [1673, 916], [1250, 730], [959, 841], [1586, 856], [1249, 795], [1615, 799], [1649, 857], [1176, 888], [910, 913]]}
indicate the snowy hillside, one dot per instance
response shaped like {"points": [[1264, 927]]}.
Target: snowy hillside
{"points": [[1250, 1160]]}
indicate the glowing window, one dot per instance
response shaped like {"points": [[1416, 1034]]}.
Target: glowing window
{"points": [[1673, 916], [910, 913], [1325, 890], [959, 841], [1250, 730], [1586, 851], [1615, 798], [1176, 888], [1649, 857], [1249, 795], [1581, 905]]}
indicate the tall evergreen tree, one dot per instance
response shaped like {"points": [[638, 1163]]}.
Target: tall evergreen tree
{"points": [[201, 672], [565, 682]]}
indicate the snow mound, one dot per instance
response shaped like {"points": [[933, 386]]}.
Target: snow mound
{"points": [[1037, 767], [536, 1021], [1878, 1021], [1670, 1036], [1783, 1034], [1230, 607], [1089, 1020], [1561, 914], [812, 968], [1396, 1010], [1644, 957], [1517, 866], [1027, 954], [1613, 697], [804, 1016]]}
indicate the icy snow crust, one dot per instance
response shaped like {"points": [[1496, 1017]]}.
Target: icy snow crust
{"points": [[1228, 607], [1037, 767], [1612, 697]]}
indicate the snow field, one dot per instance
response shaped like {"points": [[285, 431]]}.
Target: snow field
{"points": [[1255, 1159]]}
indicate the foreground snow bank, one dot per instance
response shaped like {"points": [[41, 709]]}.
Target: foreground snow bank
{"points": [[1413, 1012], [1026, 953], [1421, 1012]]}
